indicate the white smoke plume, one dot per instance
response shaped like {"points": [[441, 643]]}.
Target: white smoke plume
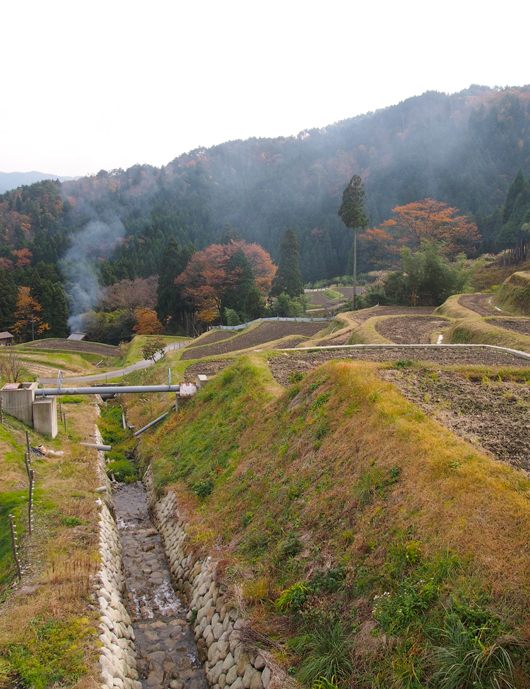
{"points": [[79, 265]]}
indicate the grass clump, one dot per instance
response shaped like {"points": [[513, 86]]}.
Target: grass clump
{"points": [[119, 464], [123, 471], [468, 656], [324, 649], [51, 654]]}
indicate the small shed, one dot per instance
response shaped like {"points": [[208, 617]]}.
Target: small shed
{"points": [[78, 336], [6, 339]]}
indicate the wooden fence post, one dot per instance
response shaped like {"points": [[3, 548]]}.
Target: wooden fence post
{"points": [[14, 544], [30, 502]]}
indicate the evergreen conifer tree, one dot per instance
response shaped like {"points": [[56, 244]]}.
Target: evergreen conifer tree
{"points": [[169, 304], [243, 296], [166, 302], [59, 321], [229, 234], [352, 215], [52, 299], [8, 300], [516, 187], [288, 279]]}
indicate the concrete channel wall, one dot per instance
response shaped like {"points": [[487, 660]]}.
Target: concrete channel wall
{"points": [[214, 617]]}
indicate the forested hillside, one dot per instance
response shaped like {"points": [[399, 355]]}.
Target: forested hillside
{"points": [[464, 149]]}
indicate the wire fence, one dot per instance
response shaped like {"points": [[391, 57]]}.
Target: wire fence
{"points": [[275, 318]]}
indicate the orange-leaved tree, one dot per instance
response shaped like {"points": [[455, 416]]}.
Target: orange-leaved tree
{"points": [[207, 279], [24, 257], [27, 314], [379, 248], [147, 323], [434, 222]]}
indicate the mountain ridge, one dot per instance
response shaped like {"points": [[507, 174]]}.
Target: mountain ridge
{"points": [[462, 149], [12, 180]]}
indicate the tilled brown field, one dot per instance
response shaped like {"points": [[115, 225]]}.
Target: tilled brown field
{"points": [[492, 414], [319, 299], [521, 325], [283, 363], [208, 368], [364, 314], [75, 346], [410, 330], [477, 303], [335, 341], [265, 332], [213, 337]]}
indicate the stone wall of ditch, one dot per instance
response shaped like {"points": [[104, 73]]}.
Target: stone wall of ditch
{"points": [[118, 654], [228, 661]]}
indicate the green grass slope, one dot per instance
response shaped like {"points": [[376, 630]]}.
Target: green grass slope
{"points": [[514, 294], [369, 544], [479, 331]]}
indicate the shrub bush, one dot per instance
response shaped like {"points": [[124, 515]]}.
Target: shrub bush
{"points": [[123, 471]]}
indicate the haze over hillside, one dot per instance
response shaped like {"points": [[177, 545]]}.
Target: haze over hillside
{"points": [[12, 180], [463, 149]]}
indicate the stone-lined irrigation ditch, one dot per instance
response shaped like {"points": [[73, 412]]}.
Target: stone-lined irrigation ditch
{"points": [[166, 622]]}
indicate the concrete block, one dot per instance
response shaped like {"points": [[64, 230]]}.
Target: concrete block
{"points": [[45, 416], [17, 400]]}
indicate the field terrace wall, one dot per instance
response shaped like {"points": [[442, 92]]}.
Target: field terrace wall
{"points": [[118, 654], [218, 626]]}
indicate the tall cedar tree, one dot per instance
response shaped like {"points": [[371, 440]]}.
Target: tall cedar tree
{"points": [[173, 263], [242, 296], [8, 300], [288, 279], [515, 233], [52, 298], [352, 215]]}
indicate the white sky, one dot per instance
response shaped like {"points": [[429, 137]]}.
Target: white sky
{"points": [[92, 84]]}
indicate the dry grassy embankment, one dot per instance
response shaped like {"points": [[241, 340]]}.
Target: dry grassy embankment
{"points": [[366, 539], [47, 630], [480, 331], [514, 294]]}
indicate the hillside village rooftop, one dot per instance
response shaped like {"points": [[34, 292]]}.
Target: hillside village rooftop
{"points": [[6, 339]]}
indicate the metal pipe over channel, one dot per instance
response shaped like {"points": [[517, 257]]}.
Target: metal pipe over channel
{"points": [[110, 390]]}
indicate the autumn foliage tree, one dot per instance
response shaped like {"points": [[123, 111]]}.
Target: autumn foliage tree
{"points": [[24, 257], [130, 294], [28, 317], [148, 323], [434, 222], [211, 274]]}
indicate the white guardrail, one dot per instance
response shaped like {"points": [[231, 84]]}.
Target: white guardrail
{"points": [[276, 318]]}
